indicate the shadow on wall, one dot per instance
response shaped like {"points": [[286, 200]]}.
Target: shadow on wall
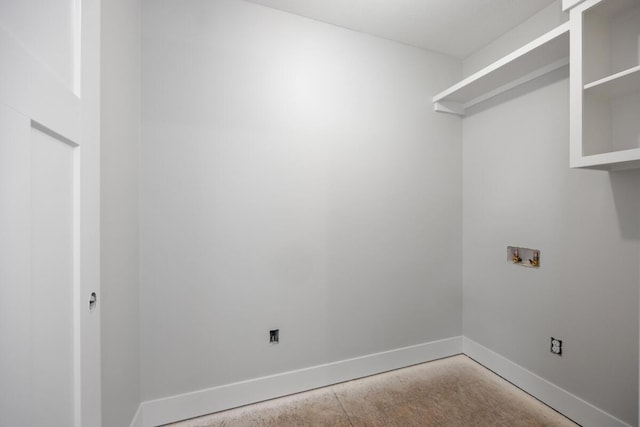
{"points": [[625, 186]]}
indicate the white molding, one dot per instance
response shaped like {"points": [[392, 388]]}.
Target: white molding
{"points": [[202, 402], [184, 406], [561, 400], [137, 418]]}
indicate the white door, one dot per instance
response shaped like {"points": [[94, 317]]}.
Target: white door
{"points": [[49, 213]]}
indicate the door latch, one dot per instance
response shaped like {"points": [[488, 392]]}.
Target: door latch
{"points": [[93, 300]]}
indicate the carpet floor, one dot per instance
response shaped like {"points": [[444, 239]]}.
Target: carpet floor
{"points": [[452, 392]]}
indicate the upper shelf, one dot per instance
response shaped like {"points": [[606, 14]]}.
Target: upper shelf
{"points": [[543, 55], [621, 83], [613, 160]]}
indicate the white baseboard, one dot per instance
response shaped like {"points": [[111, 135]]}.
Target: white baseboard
{"points": [[175, 408], [561, 400], [202, 402], [137, 418]]}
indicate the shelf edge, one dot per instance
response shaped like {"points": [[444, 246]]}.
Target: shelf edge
{"points": [[570, 4]]}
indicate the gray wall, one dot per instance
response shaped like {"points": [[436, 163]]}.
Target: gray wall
{"points": [[519, 190], [293, 176], [545, 20], [278, 190], [119, 173]]}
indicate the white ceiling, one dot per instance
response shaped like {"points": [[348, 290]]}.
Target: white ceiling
{"points": [[454, 27]]}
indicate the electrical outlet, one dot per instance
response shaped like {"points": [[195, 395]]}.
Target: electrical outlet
{"points": [[556, 346], [274, 336]]}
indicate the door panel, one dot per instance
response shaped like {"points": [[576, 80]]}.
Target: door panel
{"points": [[30, 88], [39, 363], [46, 29], [52, 280]]}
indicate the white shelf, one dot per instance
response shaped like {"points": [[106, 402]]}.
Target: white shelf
{"points": [[613, 86], [613, 160], [541, 56]]}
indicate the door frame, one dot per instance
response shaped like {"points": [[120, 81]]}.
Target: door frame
{"points": [[90, 370]]}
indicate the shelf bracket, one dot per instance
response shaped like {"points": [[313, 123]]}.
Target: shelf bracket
{"points": [[449, 107]]}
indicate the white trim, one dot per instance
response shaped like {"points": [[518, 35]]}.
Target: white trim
{"points": [[202, 402], [561, 400], [184, 406], [137, 418]]}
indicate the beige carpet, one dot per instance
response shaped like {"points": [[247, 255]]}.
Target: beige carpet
{"points": [[455, 391]]}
